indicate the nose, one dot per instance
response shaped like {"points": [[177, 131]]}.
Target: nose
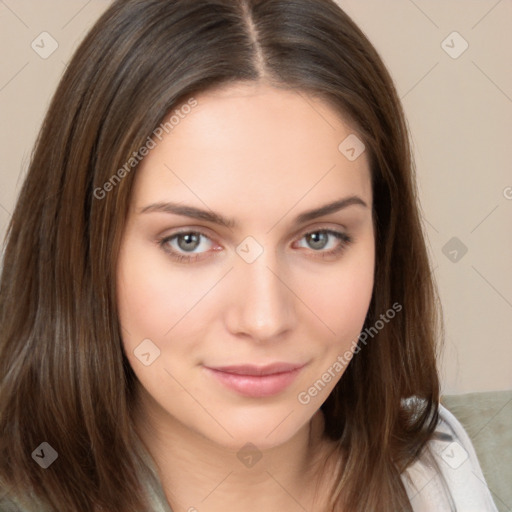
{"points": [[262, 303]]}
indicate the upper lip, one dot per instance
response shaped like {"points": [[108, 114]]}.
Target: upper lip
{"points": [[248, 369]]}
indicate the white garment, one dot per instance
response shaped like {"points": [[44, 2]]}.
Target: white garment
{"points": [[464, 488]]}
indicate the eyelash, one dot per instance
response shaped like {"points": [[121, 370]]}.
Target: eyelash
{"points": [[345, 240]]}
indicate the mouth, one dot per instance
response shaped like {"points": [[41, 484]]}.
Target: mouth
{"points": [[256, 381]]}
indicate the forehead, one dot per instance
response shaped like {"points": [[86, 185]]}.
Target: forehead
{"points": [[253, 142]]}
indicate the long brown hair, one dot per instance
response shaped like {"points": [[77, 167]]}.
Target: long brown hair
{"points": [[64, 377]]}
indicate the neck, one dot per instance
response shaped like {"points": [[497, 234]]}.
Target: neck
{"points": [[200, 475]]}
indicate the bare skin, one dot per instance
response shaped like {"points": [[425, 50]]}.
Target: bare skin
{"points": [[260, 156]]}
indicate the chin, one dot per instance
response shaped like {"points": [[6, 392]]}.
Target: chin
{"points": [[263, 430]]}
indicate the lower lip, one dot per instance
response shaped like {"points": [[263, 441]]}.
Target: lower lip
{"points": [[256, 386]]}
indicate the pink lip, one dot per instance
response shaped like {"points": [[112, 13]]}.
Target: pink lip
{"points": [[257, 381]]}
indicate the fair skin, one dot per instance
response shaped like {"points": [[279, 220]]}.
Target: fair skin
{"points": [[260, 156]]}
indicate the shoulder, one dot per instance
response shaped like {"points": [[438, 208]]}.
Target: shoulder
{"points": [[448, 477], [6, 505]]}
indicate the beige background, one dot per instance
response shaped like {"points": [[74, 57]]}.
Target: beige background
{"points": [[460, 116]]}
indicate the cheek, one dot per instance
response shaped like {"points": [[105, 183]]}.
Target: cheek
{"points": [[340, 296], [155, 307], [141, 297], [152, 297], [341, 300]]}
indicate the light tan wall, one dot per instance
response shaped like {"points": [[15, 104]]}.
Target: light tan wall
{"points": [[460, 116]]}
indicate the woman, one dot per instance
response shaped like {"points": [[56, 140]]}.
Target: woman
{"points": [[216, 293]]}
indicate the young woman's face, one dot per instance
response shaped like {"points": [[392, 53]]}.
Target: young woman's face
{"points": [[205, 305]]}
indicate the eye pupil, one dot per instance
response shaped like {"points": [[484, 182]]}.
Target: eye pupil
{"points": [[317, 240], [191, 241]]}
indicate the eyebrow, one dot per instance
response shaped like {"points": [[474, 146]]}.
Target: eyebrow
{"points": [[215, 218]]}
